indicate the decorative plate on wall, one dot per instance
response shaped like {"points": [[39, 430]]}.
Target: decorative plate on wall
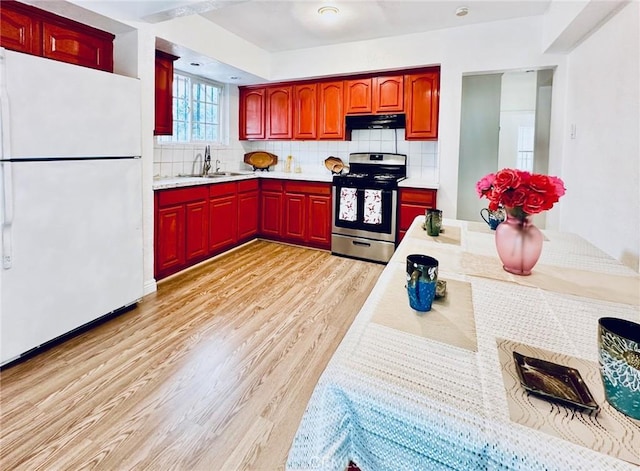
{"points": [[260, 160]]}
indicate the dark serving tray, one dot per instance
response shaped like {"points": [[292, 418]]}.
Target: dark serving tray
{"points": [[554, 382]]}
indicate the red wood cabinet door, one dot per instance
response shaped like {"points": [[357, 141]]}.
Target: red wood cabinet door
{"points": [[77, 47], [295, 215], [319, 221], [413, 202], [388, 96], [422, 102], [164, 94], [271, 214], [223, 222], [358, 96], [170, 234], [279, 112], [19, 31], [330, 110], [252, 113], [197, 225], [247, 215], [305, 104]]}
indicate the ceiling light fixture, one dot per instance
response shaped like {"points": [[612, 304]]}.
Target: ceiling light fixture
{"points": [[234, 77], [462, 11], [328, 10], [196, 64]]}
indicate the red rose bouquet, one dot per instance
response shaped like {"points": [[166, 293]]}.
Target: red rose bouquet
{"points": [[521, 193]]}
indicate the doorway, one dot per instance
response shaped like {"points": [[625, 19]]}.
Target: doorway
{"points": [[505, 122]]}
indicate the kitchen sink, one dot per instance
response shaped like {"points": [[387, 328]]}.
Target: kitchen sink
{"points": [[211, 175], [223, 174]]}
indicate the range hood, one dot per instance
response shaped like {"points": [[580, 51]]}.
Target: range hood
{"points": [[378, 121]]}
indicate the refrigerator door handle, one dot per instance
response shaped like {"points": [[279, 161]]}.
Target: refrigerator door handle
{"points": [[5, 169], [7, 215]]}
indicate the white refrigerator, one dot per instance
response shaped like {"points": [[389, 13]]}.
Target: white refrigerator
{"points": [[71, 199]]}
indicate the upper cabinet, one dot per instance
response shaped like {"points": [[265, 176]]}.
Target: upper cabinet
{"points": [[28, 29], [279, 112], [305, 111], [252, 117], [422, 98], [19, 29], [330, 110], [388, 94], [266, 112], [317, 110], [164, 94], [358, 96], [374, 95]]}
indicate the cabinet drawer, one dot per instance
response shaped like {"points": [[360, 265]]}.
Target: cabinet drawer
{"points": [[182, 195], [271, 185], [420, 196], [221, 189], [308, 187], [247, 185]]}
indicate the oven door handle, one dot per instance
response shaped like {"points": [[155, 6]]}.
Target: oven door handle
{"points": [[360, 243]]}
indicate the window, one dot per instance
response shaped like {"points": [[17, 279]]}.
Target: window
{"points": [[525, 148], [197, 110]]}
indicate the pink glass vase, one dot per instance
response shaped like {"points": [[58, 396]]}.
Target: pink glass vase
{"points": [[519, 242]]}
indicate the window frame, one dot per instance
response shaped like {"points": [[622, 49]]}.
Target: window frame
{"points": [[223, 112]]}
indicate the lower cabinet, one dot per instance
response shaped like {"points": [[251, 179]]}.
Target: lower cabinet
{"points": [[307, 213], [296, 211], [170, 232], [295, 215], [181, 226], [413, 202], [248, 203], [197, 222], [319, 221], [194, 223], [223, 217], [271, 197]]}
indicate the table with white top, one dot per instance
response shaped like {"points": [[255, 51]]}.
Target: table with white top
{"points": [[439, 390]]}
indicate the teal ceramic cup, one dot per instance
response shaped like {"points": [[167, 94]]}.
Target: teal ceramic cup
{"points": [[422, 280], [619, 351]]}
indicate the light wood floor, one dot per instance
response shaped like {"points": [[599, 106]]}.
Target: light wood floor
{"points": [[212, 372]]}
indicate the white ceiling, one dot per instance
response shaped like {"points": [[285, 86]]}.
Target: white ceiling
{"points": [[281, 25], [276, 25]]}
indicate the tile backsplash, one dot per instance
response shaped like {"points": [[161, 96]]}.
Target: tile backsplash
{"points": [[422, 156]]}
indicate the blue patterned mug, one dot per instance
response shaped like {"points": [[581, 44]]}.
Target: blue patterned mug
{"points": [[493, 218], [619, 351], [422, 280]]}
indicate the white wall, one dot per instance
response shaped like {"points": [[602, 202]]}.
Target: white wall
{"points": [[134, 55], [601, 165]]}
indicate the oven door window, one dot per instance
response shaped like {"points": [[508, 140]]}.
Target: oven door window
{"points": [[364, 209]]}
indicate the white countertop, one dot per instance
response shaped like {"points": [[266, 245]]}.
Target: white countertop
{"points": [[418, 183], [162, 183]]}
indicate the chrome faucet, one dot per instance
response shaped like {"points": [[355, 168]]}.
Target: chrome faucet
{"points": [[206, 164], [217, 165]]}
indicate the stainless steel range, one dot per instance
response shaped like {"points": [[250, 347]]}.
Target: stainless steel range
{"points": [[365, 206]]}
